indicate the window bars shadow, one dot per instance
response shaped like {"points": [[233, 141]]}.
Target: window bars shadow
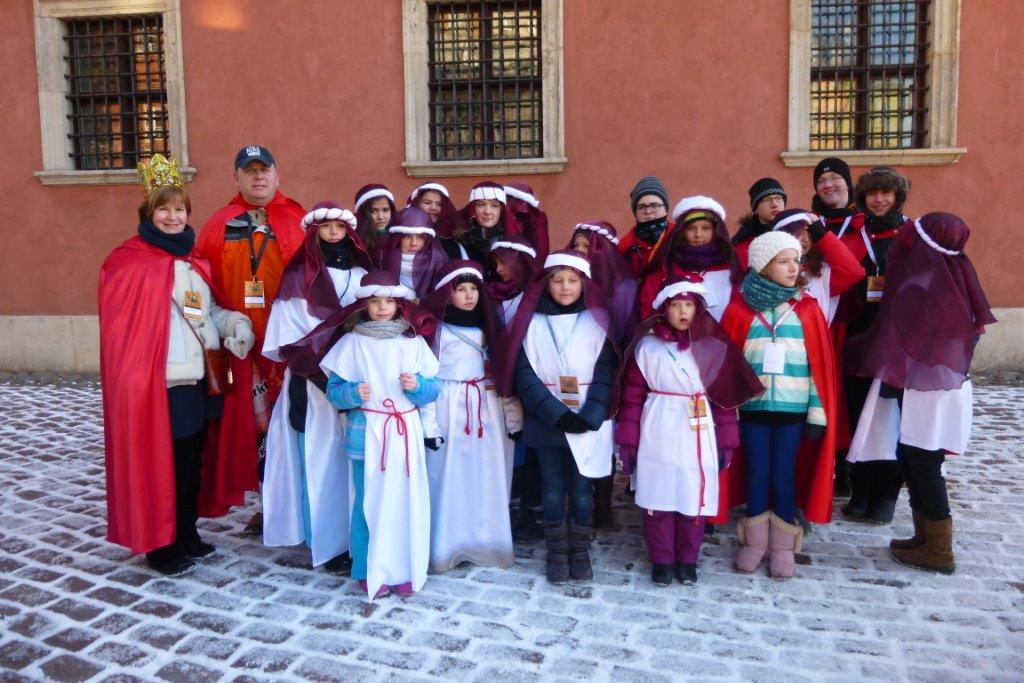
{"points": [[116, 90], [485, 81], [869, 74]]}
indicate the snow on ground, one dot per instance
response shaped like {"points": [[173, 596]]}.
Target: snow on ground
{"points": [[76, 608]]}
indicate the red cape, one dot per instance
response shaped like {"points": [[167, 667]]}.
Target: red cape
{"points": [[816, 460], [134, 287], [285, 216]]}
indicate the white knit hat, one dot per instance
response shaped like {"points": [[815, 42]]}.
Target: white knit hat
{"points": [[767, 246]]}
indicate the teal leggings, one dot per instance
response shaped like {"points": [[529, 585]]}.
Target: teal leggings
{"points": [[307, 518], [359, 534]]}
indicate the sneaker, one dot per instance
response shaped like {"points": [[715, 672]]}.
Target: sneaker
{"points": [[340, 565], [686, 574]]}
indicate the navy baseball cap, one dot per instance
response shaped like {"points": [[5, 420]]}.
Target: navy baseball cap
{"points": [[252, 153]]}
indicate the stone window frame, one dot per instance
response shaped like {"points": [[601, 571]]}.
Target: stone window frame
{"points": [[418, 163], [54, 108], [943, 81]]}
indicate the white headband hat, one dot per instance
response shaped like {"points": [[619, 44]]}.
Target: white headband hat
{"points": [[688, 204], [676, 288], [393, 291], [467, 270], [487, 192], [373, 194], [332, 214], [436, 187], [600, 230], [412, 230], [789, 220], [558, 260], [523, 196], [767, 246], [515, 246], [932, 243]]}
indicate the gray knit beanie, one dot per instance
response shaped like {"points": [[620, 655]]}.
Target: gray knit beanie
{"points": [[647, 185]]}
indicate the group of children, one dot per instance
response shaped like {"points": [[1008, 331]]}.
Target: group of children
{"points": [[442, 361]]}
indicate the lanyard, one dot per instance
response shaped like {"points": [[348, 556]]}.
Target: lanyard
{"points": [[676, 362], [469, 342], [846, 226], [568, 337], [348, 282], [871, 249], [255, 257], [774, 328]]}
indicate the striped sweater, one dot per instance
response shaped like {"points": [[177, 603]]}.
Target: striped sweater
{"points": [[792, 391]]}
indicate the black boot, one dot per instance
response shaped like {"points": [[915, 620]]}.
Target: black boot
{"points": [[557, 541], [661, 574], [169, 561], [579, 551], [686, 574], [886, 484], [526, 528], [603, 503], [340, 565], [857, 507], [842, 480]]}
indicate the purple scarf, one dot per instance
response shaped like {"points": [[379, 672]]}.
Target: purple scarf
{"points": [[699, 259]]}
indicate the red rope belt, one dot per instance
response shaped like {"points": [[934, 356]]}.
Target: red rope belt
{"points": [[400, 426], [700, 452], [474, 384]]}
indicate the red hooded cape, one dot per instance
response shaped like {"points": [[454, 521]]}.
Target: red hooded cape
{"points": [[816, 460], [134, 289]]}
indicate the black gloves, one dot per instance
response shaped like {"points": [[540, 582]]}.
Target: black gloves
{"points": [[434, 443], [571, 423], [816, 230], [516, 436], [814, 432]]}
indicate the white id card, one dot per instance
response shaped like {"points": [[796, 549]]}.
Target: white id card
{"points": [[774, 362]]}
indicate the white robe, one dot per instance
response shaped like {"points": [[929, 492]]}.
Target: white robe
{"points": [[580, 340], [470, 473], [672, 473], [818, 287], [326, 481], [396, 500], [719, 291], [931, 420]]}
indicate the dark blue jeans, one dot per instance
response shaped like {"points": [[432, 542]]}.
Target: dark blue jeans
{"points": [[770, 454], [559, 477]]}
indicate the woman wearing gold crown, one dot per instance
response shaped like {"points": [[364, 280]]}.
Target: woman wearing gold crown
{"points": [[158, 318]]}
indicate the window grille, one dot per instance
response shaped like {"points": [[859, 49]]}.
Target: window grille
{"points": [[116, 91], [868, 74], [484, 59]]}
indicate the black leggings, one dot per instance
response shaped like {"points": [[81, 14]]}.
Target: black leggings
{"points": [[922, 471]]}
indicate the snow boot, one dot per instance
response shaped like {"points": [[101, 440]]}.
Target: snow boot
{"points": [[753, 535], [785, 540], [579, 551], [525, 526], [856, 509], [936, 553], [558, 552], [915, 541], [661, 574], [686, 573], [842, 476]]}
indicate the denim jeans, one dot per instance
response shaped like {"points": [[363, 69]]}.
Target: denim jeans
{"points": [[560, 477], [770, 453]]}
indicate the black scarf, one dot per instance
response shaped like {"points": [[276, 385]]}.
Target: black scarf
{"points": [[548, 306], [337, 255], [460, 318], [480, 238], [889, 221], [650, 231], [176, 244]]}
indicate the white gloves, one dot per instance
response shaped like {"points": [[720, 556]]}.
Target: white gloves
{"points": [[242, 340]]}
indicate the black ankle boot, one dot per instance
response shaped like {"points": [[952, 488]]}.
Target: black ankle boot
{"points": [[686, 574], [579, 551], [169, 561], [842, 481], [557, 541], [661, 574], [860, 491]]}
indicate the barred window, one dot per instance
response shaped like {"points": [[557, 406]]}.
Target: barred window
{"points": [[116, 90], [869, 68], [485, 84]]}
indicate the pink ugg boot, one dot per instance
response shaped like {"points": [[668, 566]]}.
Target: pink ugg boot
{"points": [[753, 533], [785, 540]]}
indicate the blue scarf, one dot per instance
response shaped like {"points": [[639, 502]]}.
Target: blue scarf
{"points": [[762, 294]]}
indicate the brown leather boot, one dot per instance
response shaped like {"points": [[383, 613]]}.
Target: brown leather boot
{"points": [[936, 553], [915, 541]]}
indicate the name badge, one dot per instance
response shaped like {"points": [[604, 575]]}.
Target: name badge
{"points": [[254, 294], [697, 409], [192, 305], [774, 362], [876, 287], [569, 388]]}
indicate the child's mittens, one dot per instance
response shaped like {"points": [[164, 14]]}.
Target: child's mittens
{"points": [[814, 432], [627, 456], [365, 393], [433, 443], [571, 423], [409, 381]]}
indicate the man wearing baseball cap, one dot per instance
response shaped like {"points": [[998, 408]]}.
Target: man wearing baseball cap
{"points": [[248, 243]]}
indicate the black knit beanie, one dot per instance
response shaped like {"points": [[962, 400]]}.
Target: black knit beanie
{"points": [[765, 187], [647, 185], [833, 165]]}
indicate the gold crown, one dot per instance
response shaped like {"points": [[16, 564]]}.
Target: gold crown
{"points": [[159, 172]]}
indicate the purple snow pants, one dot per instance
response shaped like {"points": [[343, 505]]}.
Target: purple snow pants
{"points": [[672, 537]]}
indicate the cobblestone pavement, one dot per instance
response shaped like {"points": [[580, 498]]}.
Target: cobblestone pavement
{"points": [[76, 608]]}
